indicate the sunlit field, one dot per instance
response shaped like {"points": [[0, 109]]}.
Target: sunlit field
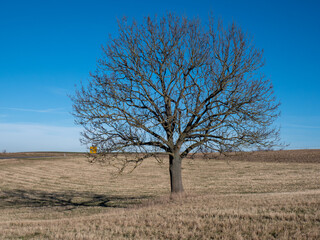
{"points": [[262, 195]]}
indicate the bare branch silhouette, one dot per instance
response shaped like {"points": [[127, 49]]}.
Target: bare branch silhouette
{"points": [[176, 86]]}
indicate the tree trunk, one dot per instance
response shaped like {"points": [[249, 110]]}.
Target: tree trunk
{"points": [[175, 174]]}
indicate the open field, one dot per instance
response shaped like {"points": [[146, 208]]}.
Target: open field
{"points": [[264, 195]]}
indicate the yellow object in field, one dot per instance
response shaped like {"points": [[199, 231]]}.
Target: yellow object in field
{"points": [[93, 149]]}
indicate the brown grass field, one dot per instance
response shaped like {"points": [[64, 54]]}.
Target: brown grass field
{"points": [[262, 195]]}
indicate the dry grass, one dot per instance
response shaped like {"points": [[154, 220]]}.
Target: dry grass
{"points": [[228, 198]]}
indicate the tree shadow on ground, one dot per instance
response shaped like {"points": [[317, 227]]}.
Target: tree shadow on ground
{"points": [[69, 200]]}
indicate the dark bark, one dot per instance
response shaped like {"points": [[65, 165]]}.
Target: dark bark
{"points": [[175, 173]]}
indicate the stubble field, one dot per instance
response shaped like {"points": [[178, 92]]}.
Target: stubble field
{"points": [[264, 195]]}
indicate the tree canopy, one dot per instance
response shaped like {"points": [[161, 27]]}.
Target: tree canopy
{"points": [[175, 85]]}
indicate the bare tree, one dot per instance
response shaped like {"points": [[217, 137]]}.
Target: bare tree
{"points": [[176, 86]]}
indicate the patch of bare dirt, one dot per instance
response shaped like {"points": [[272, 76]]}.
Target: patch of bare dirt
{"points": [[297, 156]]}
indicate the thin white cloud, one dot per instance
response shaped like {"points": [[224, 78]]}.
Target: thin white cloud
{"points": [[48, 110], [37, 137], [58, 91]]}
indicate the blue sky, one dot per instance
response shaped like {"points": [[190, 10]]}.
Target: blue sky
{"points": [[48, 47]]}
